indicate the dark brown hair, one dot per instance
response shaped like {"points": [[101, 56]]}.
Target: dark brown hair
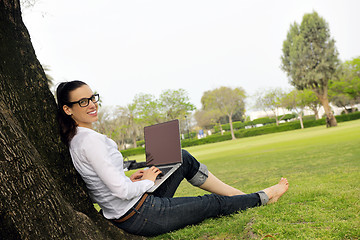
{"points": [[67, 124]]}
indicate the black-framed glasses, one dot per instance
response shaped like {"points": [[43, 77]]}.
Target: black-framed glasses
{"points": [[84, 102]]}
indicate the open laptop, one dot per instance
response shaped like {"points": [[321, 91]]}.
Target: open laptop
{"points": [[163, 149]]}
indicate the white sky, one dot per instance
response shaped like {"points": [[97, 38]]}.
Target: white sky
{"points": [[121, 48]]}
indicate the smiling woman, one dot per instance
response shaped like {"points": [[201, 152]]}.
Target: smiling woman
{"points": [[123, 200], [83, 111], [77, 106]]}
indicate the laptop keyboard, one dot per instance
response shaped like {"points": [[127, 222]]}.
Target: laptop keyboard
{"points": [[164, 172]]}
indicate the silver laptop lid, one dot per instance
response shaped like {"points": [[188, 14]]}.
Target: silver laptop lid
{"points": [[162, 143]]}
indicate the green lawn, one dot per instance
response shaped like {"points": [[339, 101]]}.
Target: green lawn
{"points": [[322, 166]]}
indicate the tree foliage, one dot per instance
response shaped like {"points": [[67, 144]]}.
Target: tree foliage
{"points": [[225, 100], [344, 89], [271, 100], [295, 100], [310, 58], [126, 123], [175, 104]]}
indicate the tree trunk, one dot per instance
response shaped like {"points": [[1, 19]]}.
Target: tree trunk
{"points": [[221, 130], [330, 118], [316, 113], [231, 127], [301, 121], [41, 195], [134, 141]]}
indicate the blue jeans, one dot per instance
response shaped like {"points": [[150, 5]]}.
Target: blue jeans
{"points": [[161, 213]]}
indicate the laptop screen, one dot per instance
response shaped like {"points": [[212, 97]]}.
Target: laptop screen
{"points": [[162, 143]]}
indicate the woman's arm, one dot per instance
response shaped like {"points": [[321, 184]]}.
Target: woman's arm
{"points": [[97, 154]]}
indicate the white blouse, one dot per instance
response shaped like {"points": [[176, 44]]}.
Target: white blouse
{"points": [[100, 164]]}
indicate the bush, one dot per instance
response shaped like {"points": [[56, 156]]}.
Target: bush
{"points": [[210, 139], [270, 128], [132, 151], [236, 125], [288, 116], [264, 121], [348, 117], [140, 142], [309, 117]]}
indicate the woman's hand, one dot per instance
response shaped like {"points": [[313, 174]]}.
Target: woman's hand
{"points": [[137, 176], [150, 173]]}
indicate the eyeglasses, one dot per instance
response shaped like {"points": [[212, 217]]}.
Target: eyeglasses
{"points": [[84, 102]]}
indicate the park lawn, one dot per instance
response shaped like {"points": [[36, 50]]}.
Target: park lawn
{"points": [[322, 166]]}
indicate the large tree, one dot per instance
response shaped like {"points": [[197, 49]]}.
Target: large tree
{"points": [[310, 58], [226, 100], [41, 195]]}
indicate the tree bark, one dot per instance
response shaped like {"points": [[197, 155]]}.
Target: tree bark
{"points": [[231, 127], [301, 121], [323, 98], [41, 195]]}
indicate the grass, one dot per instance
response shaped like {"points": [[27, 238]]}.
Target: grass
{"points": [[322, 166]]}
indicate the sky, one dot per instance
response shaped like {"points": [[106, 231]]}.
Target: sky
{"points": [[123, 48]]}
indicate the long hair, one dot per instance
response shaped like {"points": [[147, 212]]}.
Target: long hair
{"points": [[66, 122]]}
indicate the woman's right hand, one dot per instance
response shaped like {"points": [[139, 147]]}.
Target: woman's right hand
{"points": [[151, 173]]}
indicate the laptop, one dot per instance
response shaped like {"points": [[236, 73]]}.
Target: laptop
{"points": [[163, 149]]}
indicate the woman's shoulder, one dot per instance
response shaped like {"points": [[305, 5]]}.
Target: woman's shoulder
{"points": [[86, 135]]}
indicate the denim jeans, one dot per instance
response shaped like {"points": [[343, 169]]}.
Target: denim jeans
{"points": [[161, 213]]}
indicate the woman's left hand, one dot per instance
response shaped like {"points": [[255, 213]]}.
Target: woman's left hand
{"points": [[137, 175]]}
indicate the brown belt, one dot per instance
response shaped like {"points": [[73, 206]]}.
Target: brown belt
{"points": [[137, 207]]}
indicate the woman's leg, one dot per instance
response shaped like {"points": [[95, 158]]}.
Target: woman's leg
{"points": [[159, 215], [190, 169], [214, 185], [198, 175]]}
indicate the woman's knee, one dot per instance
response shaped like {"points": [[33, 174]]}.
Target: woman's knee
{"points": [[198, 172]]}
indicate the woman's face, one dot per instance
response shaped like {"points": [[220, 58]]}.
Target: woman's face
{"points": [[83, 116]]}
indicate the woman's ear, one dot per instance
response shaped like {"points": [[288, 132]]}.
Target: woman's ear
{"points": [[67, 110]]}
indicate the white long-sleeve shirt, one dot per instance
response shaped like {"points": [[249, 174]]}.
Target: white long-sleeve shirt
{"points": [[100, 164]]}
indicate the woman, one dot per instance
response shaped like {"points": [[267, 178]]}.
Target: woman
{"points": [[124, 200]]}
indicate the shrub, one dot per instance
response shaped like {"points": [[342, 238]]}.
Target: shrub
{"points": [[309, 117], [140, 142], [269, 128], [264, 121], [210, 139], [348, 117], [288, 116], [133, 151]]}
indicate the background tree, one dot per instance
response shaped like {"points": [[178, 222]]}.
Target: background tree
{"points": [[225, 100], [131, 123], [208, 118], [41, 195], [342, 101], [103, 125], [311, 101], [310, 58], [271, 100], [147, 109], [295, 100], [175, 104], [344, 89]]}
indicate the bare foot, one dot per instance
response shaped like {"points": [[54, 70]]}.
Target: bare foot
{"points": [[276, 191]]}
